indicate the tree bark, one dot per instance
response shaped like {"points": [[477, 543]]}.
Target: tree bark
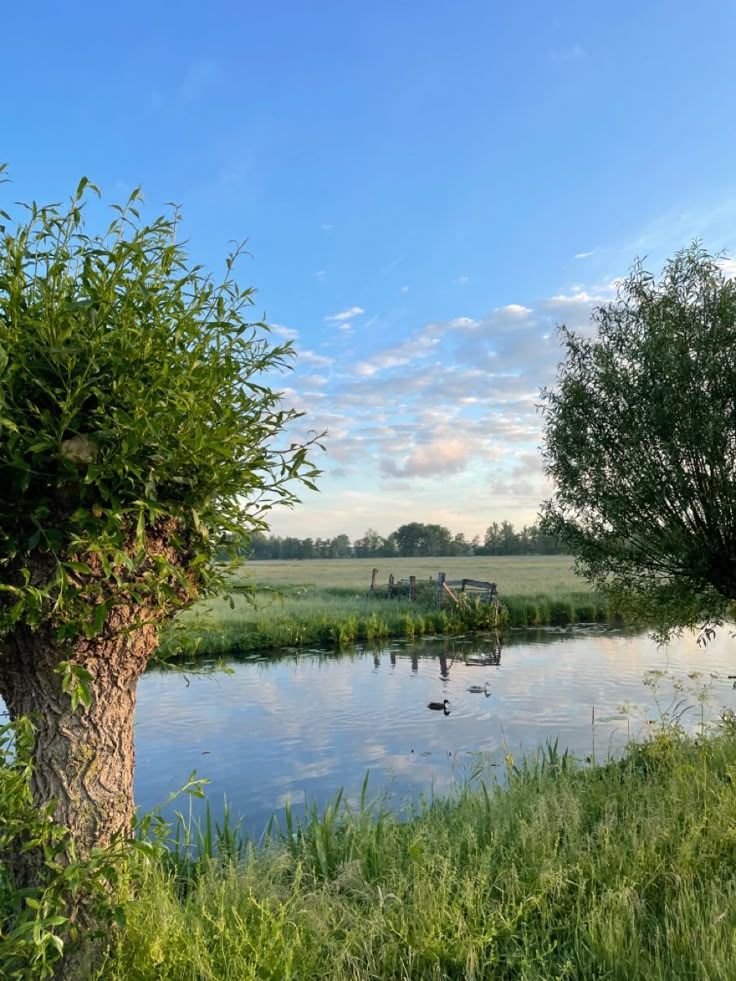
{"points": [[83, 760]]}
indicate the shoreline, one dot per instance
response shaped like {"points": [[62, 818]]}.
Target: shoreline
{"points": [[301, 616]]}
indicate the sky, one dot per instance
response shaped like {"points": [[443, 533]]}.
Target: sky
{"points": [[427, 189]]}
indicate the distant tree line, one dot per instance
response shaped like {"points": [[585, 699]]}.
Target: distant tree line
{"points": [[412, 539]]}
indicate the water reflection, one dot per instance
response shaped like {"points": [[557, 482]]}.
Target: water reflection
{"points": [[315, 721]]}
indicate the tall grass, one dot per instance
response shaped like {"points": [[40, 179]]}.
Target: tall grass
{"points": [[285, 615], [625, 871]]}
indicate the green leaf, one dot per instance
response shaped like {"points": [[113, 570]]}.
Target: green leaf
{"points": [[79, 567], [100, 615]]}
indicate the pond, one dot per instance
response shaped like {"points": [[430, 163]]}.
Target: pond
{"points": [[280, 727]]}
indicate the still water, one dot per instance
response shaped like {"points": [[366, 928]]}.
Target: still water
{"points": [[281, 727]]}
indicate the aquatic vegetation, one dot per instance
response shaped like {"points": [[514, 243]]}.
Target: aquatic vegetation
{"points": [[286, 615]]}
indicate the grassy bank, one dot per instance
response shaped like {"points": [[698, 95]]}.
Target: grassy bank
{"points": [[326, 602], [626, 871], [293, 616]]}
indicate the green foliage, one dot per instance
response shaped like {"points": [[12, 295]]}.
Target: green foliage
{"points": [[138, 436], [503, 539], [75, 681], [640, 440]]}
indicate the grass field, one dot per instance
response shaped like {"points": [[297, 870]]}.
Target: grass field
{"points": [[327, 602], [520, 575]]}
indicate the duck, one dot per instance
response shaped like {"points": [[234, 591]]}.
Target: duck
{"points": [[480, 690], [439, 706]]}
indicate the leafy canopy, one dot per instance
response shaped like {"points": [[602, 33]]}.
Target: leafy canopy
{"points": [[640, 441], [137, 431]]}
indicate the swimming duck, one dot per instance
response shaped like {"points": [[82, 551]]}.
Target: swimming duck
{"points": [[439, 706], [480, 690]]}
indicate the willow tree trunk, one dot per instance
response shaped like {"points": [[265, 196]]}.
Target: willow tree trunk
{"points": [[84, 759]]}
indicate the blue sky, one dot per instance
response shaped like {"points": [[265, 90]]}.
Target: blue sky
{"points": [[426, 188]]}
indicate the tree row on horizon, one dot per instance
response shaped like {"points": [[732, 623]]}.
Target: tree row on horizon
{"points": [[409, 540]]}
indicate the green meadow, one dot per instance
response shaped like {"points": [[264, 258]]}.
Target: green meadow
{"points": [[327, 602], [514, 574]]}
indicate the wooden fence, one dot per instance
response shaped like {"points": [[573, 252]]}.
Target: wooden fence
{"points": [[444, 589]]}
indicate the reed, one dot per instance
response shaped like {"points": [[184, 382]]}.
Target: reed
{"points": [[285, 615]]}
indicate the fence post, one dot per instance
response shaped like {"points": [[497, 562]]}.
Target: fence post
{"points": [[390, 587], [373, 580], [412, 588], [440, 589]]}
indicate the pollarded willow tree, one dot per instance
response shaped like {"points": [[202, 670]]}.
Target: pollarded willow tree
{"points": [[640, 441], [137, 437]]}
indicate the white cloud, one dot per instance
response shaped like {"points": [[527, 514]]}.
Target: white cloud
{"points": [[728, 266], [404, 289], [450, 406], [563, 300], [418, 346], [585, 255], [441, 456], [320, 274], [514, 311], [462, 280], [348, 314], [315, 360], [574, 309], [288, 333]]}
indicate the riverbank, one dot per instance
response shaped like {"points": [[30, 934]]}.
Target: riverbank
{"points": [[328, 603], [565, 871], [314, 616]]}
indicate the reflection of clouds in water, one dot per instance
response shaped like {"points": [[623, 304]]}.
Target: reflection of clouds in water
{"points": [[281, 727], [309, 771]]}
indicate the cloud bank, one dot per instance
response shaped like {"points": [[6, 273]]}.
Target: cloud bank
{"points": [[445, 422]]}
